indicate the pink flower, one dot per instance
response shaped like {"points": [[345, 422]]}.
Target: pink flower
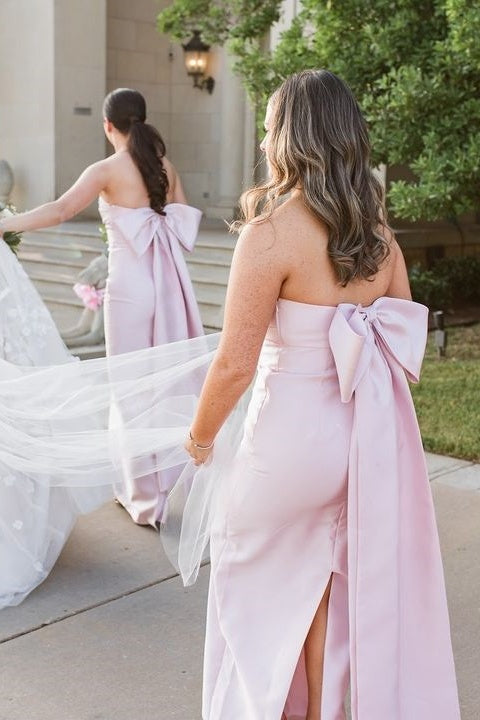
{"points": [[91, 297]]}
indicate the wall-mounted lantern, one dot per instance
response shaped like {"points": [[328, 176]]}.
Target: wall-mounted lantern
{"points": [[196, 60]]}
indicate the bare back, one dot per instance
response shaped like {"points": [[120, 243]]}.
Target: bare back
{"points": [[302, 240], [286, 257], [125, 186], [116, 179]]}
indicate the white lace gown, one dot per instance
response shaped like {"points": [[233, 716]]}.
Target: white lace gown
{"points": [[35, 519]]}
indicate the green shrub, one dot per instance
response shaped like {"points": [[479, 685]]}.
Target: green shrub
{"points": [[430, 289], [462, 275], [413, 66], [451, 281]]}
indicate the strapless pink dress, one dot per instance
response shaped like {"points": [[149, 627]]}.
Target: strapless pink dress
{"points": [[149, 301], [330, 479]]}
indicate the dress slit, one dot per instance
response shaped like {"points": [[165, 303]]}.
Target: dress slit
{"points": [[335, 664], [296, 697]]}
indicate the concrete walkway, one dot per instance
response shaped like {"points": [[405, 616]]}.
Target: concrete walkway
{"points": [[113, 635]]}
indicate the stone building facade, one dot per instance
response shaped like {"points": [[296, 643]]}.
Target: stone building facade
{"points": [[58, 59]]}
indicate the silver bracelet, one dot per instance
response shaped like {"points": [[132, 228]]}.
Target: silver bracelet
{"points": [[200, 447]]}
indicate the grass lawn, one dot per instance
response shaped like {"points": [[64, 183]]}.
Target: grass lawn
{"points": [[447, 398]]}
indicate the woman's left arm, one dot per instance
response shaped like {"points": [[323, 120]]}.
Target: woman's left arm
{"points": [[88, 186], [256, 278]]}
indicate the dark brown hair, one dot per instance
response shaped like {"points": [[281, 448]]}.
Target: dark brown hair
{"points": [[127, 111], [318, 142]]}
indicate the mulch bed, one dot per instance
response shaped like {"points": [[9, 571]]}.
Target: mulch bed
{"points": [[465, 315]]}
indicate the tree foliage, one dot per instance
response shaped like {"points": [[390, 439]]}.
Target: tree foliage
{"points": [[414, 67]]}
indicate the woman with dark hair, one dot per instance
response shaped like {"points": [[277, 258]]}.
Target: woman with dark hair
{"points": [[149, 296], [325, 560]]}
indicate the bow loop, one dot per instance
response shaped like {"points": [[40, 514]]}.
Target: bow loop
{"points": [[183, 221], [139, 228], [357, 332]]}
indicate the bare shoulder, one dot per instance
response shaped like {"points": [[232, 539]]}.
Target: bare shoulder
{"points": [[101, 167], [298, 231], [257, 235], [115, 163], [96, 176], [258, 244]]}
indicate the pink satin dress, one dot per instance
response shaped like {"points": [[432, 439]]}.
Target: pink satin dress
{"points": [[149, 301], [330, 480]]}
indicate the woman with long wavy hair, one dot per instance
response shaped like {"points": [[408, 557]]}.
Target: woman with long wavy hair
{"points": [[325, 561], [149, 297]]}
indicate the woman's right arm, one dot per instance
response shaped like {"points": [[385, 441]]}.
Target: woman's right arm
{"points": [[84, 191]]}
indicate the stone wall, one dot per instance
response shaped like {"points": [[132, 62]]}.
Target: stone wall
{"points": [[27, 121], [187, 118], [52, 63], [58, 58], [80, 72]]}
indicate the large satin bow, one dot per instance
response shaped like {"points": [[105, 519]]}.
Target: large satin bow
{"points": [[401, 663], [176, 312], [357, 332], [142, 226]]}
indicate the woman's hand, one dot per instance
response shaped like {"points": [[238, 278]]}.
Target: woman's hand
{"points": [[200, 454]]}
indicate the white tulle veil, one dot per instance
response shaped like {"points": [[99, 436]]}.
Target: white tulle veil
{"points": [[87, 424]]}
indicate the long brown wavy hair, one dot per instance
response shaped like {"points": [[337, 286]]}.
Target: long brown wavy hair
{"points": [[127, 111], [318, 141]]}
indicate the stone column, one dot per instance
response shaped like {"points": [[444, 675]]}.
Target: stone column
{"points": [[250, 149], [27, 122], [230, 171], [381, 174], [80, 82]]}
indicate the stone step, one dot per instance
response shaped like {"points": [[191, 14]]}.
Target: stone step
{"points": [[204, 274], [58, 288], [66, 313], [77, 256], [89, 352], [59, 273], [31, 257], [66, 234], [218, 240], [56, 275], [54, 257], [212, 253], [212, 316], [76, 253], [194, 259]]}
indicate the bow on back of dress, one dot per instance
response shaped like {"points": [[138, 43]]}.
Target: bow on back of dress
{"points": [[400, 649], [139, 226], [143, 228], [390, 325]]}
